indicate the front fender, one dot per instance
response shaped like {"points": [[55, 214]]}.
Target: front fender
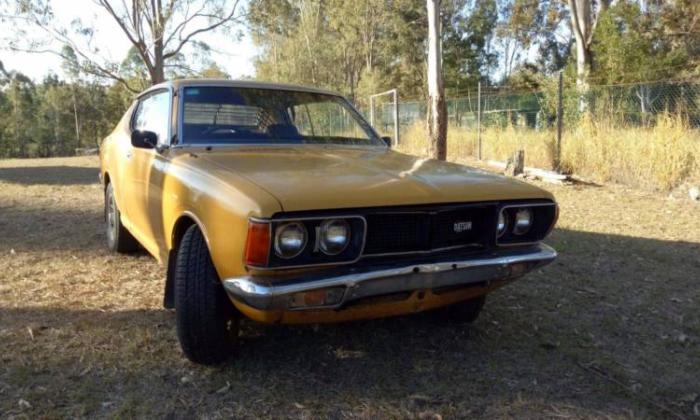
{"points": [[220, 209]]}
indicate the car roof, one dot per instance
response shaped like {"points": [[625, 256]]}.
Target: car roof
{"points": [[179, 83]]}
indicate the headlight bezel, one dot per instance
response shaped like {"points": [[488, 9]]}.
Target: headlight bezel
{"points": [[544, 216], [310, 255]]}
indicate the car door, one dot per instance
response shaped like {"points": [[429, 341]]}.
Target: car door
{"points": [[152, 114]]}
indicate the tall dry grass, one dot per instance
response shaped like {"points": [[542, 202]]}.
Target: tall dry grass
{"points": [[659, 157]]}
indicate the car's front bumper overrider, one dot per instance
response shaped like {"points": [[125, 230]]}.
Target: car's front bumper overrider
{"points": [[350, 284]]}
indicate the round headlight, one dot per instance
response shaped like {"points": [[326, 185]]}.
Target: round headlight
{"points": [[502, 224], [334, 236], [523, 221], [290, 240]]}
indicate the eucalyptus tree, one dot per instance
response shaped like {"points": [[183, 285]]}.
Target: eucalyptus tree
{"points": [[160, 32], [20, 115], [584, 19], [437, 109]]}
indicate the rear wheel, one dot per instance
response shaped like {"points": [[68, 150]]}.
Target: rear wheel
{"points": [[465, 312], [207, 322], [118, 238]]}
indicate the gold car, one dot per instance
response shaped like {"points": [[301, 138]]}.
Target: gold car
{"points": [[281, 203]]}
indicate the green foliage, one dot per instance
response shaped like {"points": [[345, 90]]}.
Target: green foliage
{"points": [[214, 72], [54, 117], [362, 47], [365, 46], [20, 111], [467, 57], [630, 46]]}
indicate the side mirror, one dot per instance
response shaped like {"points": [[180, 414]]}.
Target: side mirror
{"points": [[144, 139], [387, 140]]}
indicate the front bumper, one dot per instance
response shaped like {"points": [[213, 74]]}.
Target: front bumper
{"points": [[264, 293]]}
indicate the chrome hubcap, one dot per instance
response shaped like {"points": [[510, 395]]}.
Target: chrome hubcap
{"points": [[111, 217]]}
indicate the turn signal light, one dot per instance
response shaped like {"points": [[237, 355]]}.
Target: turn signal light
{"points": [[319, 297], [257, 247]]}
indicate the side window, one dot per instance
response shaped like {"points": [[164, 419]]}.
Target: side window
{"points": [[153, 114]]}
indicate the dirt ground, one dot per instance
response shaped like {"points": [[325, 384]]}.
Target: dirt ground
{"points": [[611, 329]]}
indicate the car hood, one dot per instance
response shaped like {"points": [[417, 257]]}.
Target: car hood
{"points": [[332, 177]]}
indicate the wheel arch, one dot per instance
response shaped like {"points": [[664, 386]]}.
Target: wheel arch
{"points": [[186, 220]]}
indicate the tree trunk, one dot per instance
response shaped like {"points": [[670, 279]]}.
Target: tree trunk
{"points": [[583, 63], [158, 31], [583, 23], [158, 72], [437, 110], [57, 139], [75, 118]]}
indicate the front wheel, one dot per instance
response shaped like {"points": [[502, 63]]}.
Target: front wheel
{"points": [[207, 322], [118, 238]]}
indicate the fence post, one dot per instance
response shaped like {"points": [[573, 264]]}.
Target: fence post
{"points": [[560, 122], [371, 111], [396, 117], [478, 120]]}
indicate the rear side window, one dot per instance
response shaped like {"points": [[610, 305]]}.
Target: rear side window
{"points": [[153, 114]]}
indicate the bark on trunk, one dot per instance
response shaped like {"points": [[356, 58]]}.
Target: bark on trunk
{"points": [[583, 22], [437, 110], [158, 30], [75, 120], [158, 72], [583, 62]]}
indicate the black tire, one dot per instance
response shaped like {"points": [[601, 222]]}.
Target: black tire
{"points": [[118, 238], [465, 312], [207, 322]]}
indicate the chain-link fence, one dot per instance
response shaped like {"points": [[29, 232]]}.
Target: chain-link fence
{"points": [[630, 104], [641, 104], [642, 133], [507, 120]]}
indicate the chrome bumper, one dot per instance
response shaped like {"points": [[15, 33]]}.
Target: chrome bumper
{"points": [[271, 293]]}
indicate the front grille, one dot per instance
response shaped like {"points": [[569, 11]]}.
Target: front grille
{"points": [[430, 229], [397, 232]]}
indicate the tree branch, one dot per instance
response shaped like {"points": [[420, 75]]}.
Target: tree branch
{"points": [[574, 18], [181, 25], [94, 69], [136, 40], [194, 33]]}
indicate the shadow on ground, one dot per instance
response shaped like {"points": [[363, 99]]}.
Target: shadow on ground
{"points": [[44, 228], [128, 363], [609, 329], [50, 175]]}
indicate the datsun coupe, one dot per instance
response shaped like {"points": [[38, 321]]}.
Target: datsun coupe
{"points": [[282, 204]]}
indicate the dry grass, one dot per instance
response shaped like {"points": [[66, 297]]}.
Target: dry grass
{"points": [[660, 157], [611, 329]]}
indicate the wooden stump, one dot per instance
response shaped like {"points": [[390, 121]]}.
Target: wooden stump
{"points": [[516, 164]]}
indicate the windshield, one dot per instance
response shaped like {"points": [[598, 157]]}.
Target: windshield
{"points": [[228, 115]]}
